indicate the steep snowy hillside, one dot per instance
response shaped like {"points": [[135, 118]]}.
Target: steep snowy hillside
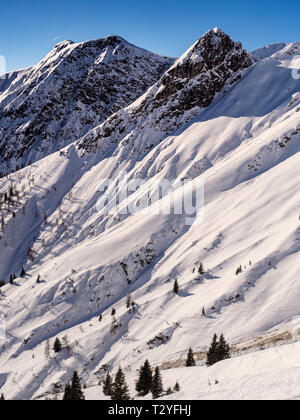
{"points": [[75, 88], [214, 117]]}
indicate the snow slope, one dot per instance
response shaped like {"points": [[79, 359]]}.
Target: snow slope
{"points": [[271, 374], [243, 143]]}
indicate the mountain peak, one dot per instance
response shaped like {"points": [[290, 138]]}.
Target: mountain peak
{"points": [[116, 39], [72, 90], [213, 63]]}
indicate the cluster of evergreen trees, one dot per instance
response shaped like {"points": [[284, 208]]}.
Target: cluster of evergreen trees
{"points": [[13, 277], [147, 382], [73, 391], [118, 389], [219, 350]]}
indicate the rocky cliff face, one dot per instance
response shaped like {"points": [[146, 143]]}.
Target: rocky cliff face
{"points": [[75, 88], [188, 86]]}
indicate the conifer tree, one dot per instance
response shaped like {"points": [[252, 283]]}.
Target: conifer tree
{"points": [[223, 351], [128, 301], [76, 392], [239, 270], [107, 387], [157, 385], [143, 385], [68, 393], [176, 287], [212, 352], [219, 350], [57, 345], [114, 326], [23, 272], [2, 397], [190, 361], [120, 390], [38, 280], [113, 312], [177, 387], [201, 269], [100, 317]]}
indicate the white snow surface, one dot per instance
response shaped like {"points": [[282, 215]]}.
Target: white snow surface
{"points": [[271, 374], [245, 148]]}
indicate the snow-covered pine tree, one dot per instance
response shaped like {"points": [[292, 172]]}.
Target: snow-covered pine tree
{"points": [[177, 387]]}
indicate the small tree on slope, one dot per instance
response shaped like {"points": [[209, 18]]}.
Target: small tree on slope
{"points": [[23, 272], [57, 346], [143, 385], [212, 352], [176, 287], [107, 387], [190, 361], [157, 385], [120, 390], [223, 352], [73, 391], [218, 351]]}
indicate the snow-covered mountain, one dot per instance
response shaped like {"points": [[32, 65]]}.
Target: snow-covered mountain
{"points": [[217, 116], [75, 88]]}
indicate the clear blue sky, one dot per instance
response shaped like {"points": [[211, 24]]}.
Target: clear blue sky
{"points": [[29, 29]]}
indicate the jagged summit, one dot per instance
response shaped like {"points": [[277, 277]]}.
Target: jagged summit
{"points": [[214, 58], [187, 87]]}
